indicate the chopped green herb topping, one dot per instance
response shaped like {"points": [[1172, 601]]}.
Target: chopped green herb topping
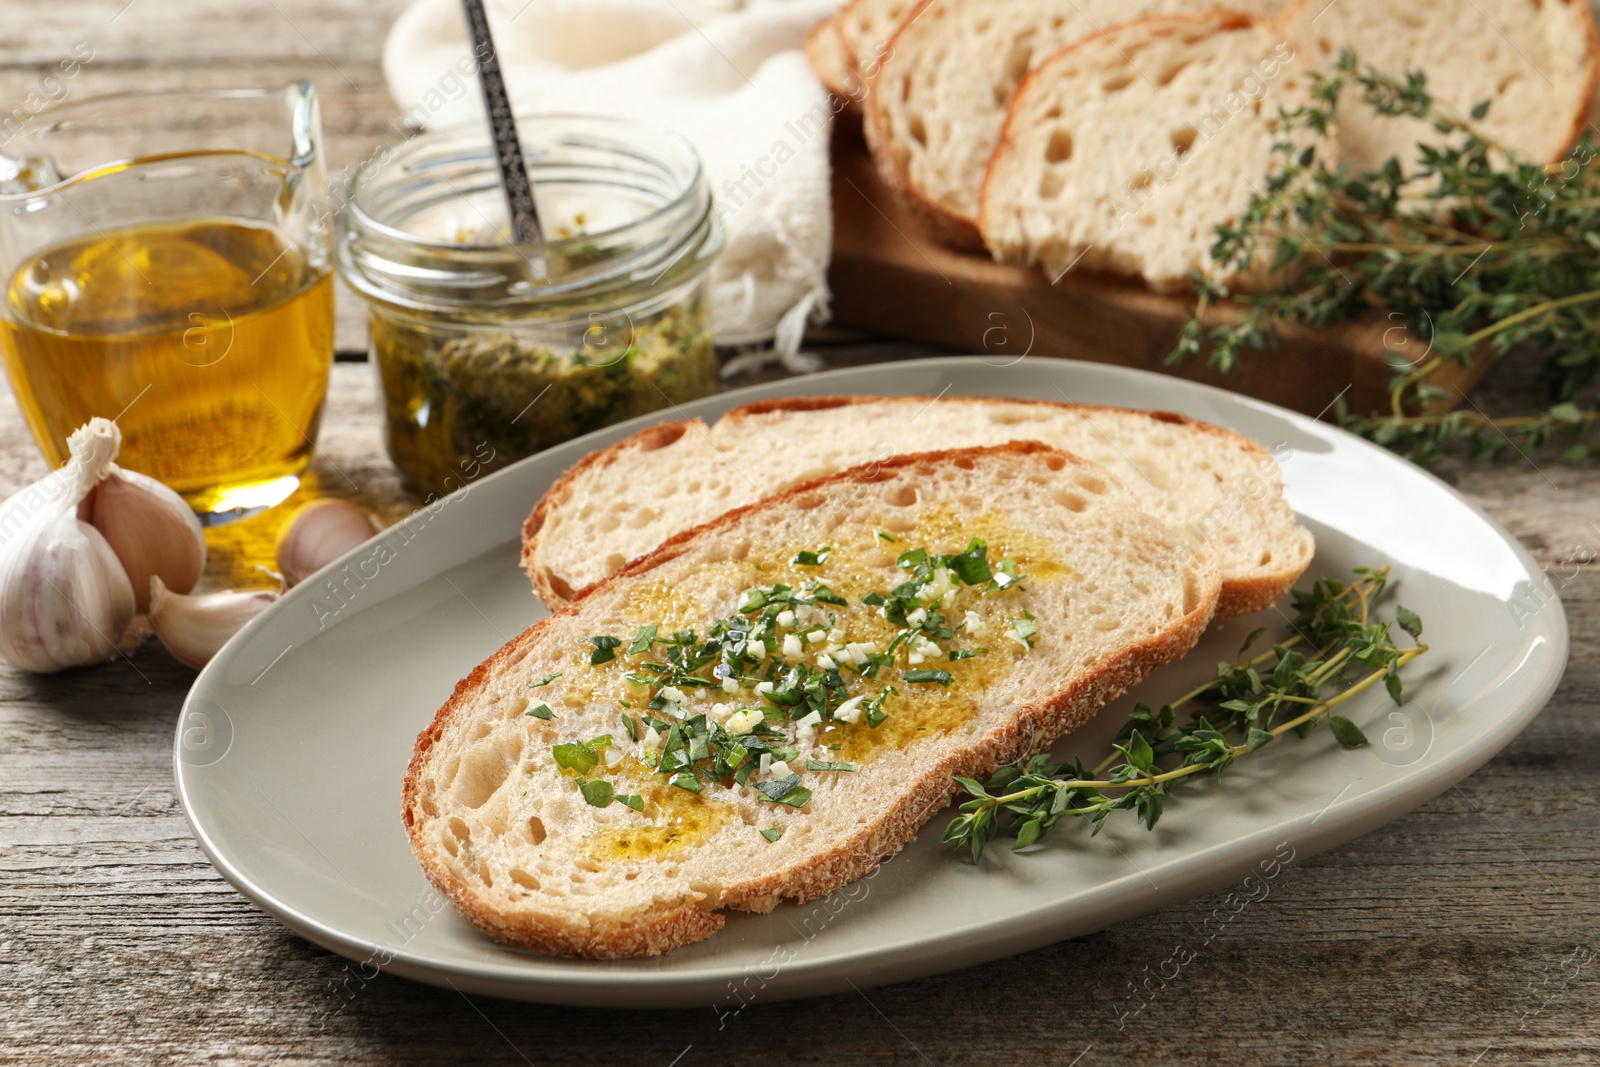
{"points": [[580, 757], [772, 834], [787, 790], [643, 640], [972, 566], [546, 680], [542, 712], [784, 657], [598, 792]]}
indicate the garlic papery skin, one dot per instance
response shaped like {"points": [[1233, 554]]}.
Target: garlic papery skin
{"points": [[320, 533], [150, 528], [194, 627], [65, 600]]}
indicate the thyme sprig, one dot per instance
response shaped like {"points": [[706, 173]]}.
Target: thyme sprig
{"points": [[1472, 253], [1335, 651]]}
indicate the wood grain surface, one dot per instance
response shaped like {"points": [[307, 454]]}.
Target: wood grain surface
{"points": [[1464, 933]]}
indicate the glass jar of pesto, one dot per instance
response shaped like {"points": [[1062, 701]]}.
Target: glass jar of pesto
{"points": [[488, 351]]}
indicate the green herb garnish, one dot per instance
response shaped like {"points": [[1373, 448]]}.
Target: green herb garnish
{"points": [[786, 790], [920, 675], [580, 756], [813, 559], [643, 640], [772, 834], [605, 649], [1471, 252], [598, 792], [541, 712], [1251, 703], [826, 765], [546, 680], [972, 566]]}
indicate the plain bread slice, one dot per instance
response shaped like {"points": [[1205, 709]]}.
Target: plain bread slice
{"points": [[1535, 61], [1124, 152], [935, 110], [622, 501]]}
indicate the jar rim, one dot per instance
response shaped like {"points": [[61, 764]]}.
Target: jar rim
{"points": [[653, 176], [526, 124]]}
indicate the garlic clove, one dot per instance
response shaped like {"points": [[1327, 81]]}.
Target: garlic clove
{"points": [[194, 627], [64, 599], [320, 533], [150, 528]]}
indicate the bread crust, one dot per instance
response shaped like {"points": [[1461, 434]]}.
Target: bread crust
{"points": [[946, 226], [830, 60], [1591, 80], [667, 925], [1239, 596], [551, 590]]}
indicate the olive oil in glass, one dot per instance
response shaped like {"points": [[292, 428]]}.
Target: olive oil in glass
{"points": [[209, 341]]}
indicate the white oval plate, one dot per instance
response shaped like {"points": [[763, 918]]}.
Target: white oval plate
{"points": [[293, 740]]}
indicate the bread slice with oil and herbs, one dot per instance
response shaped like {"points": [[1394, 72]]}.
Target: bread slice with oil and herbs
{"points": [[768, 705], [622, 501]]}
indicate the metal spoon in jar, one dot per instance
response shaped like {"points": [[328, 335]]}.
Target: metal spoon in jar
{"points": [[508, 148]]}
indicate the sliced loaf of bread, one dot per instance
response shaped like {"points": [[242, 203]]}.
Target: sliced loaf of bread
{"points": [[606, 783], [1535, 61], [937, 105], [846, 50], [623, 501], [1125, 151], [831, 61], [866, 27]]}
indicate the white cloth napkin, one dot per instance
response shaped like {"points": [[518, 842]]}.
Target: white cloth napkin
{"points": [[731, 77]]}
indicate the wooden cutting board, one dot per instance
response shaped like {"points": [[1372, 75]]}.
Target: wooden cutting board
{"points": [[890, 277]]}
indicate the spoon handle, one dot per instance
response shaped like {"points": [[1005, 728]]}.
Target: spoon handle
{"points": [[508, 148]]}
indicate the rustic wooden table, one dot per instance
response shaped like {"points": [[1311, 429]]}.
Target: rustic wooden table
{"points": [[1464, 933]]}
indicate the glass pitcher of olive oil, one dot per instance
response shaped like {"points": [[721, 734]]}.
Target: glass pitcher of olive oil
{"points": [[166, 262]]}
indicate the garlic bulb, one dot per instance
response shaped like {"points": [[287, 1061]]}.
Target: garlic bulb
{"points": [[194, 627], [320, 533], [64, 598], [150, 528]]}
